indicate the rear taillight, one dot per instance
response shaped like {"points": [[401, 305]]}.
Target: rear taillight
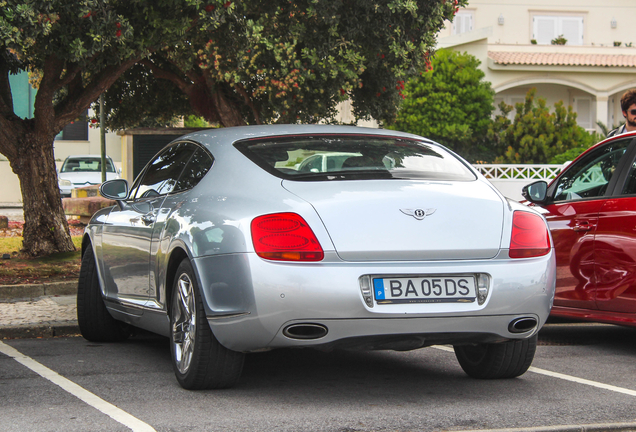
{"points": [[285, 237], [530, 237]]}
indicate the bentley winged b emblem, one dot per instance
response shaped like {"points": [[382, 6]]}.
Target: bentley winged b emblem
{"points": [[418, 214]]}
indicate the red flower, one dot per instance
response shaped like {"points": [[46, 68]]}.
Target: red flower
{"points": [[342, 92], [227, 4], [93, 121], [379, 94], [87, 15], [382, 55], [118, 34], [209, 8], [118, 25]]}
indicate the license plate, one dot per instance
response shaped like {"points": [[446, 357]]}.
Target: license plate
{"points": [[429, 289]]}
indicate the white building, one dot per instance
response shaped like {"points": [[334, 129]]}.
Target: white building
{"points": [[512, 39]]}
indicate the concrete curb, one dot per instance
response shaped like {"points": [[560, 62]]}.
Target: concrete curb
{"points": [[33, 291], [64, 329], [30, 292]]}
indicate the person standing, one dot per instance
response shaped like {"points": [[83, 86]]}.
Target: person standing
{"points": [[628, 106]]}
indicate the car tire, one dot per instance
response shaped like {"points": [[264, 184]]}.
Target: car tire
{"points": [[95, 322], [497, 360], [199, 360]]}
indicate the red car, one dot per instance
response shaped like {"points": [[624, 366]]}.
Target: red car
{"points": [[591, 210]]}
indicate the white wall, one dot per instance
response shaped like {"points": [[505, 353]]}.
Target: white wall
{"points": [[517, 15], [10, 191], [63, 149]]}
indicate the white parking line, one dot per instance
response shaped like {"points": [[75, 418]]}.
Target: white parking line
{"points": [[582, 381], [564, 377], [91, 399]]}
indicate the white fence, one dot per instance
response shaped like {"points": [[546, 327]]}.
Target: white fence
{"points": [[509, 179]]}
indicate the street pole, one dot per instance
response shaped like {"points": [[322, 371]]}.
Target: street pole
{"points": [[102, 130]]}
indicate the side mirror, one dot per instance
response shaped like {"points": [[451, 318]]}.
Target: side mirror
{"points": [[114, 189], [536, 192]]}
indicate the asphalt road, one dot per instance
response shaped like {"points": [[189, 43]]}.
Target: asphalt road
{"points": [[131, 386]]}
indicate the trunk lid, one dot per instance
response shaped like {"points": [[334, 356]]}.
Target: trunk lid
{"points": [[407, 220]]}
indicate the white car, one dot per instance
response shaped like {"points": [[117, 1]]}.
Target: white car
{"points": [[225, 248], [84, 170]]}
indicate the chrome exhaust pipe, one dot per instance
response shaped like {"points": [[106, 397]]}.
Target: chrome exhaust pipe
{"points": [[305, 331], [522, 325]]}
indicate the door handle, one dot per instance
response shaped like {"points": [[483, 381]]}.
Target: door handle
{"points": [[583, 226], [148, 218]]}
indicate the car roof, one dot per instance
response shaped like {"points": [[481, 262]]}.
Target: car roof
{"points": [[85, 156]]}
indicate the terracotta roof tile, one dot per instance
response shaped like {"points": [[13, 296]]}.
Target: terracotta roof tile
{"points": [[563, 59]]}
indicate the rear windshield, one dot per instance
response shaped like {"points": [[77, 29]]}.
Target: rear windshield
{"points": [[353, 157], [86, 164]]}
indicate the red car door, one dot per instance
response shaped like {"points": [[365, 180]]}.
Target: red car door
{"points": [[578, 196], [615, 251], [573, 225]]}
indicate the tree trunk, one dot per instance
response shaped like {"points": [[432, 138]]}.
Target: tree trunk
{"points": [[45, 226], [228, 112]]}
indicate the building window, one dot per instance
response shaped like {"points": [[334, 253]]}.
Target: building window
{"points": [[584, 114], [545, 28], [463, 22], [75, 131]]}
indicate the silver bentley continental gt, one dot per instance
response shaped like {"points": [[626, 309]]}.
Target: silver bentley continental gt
{"points": [[227, 243]]}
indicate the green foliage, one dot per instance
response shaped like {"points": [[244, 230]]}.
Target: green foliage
{"points": [[536, 135], [559, 40], [74, 50], [451, 104], [569, 155], [192, 121], [288, 61], [89, 33], [588, 140]]}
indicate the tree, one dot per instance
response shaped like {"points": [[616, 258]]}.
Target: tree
{"points": [[449, 103], [233, 63], [282, 61], [74, 50], [536, 135]]}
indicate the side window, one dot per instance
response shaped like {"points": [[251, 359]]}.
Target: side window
{"points": [[314, 164], [629, 188], [195, 170], [589, 177], [161, 176]]}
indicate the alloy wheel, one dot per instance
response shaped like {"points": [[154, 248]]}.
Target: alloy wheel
{"points": [[184, 324]]}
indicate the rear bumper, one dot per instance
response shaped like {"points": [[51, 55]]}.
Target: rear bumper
{"points": [[249, 302]]}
